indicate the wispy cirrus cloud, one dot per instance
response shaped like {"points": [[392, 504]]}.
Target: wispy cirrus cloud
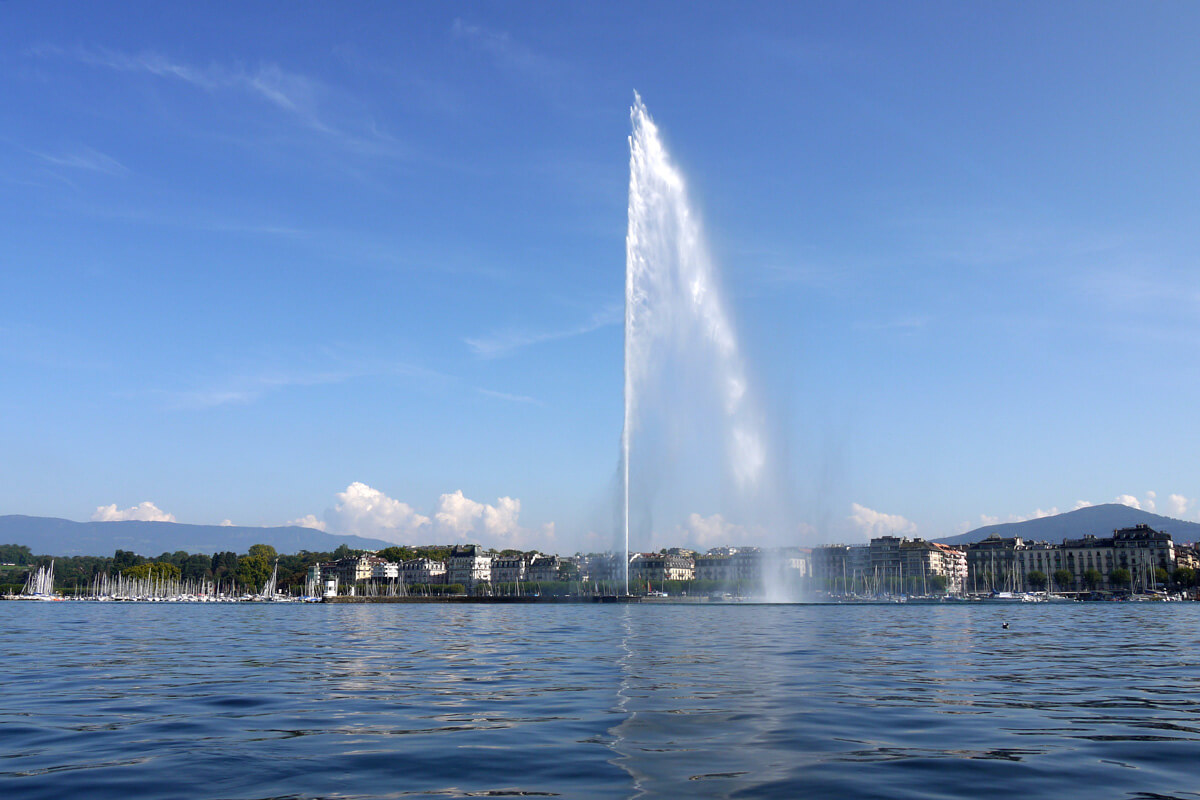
{"points": [[85, 159], [288, 91], [911, 322], [506, 51], [511, 398], [305, 99], [503, 343], [250, 386]]}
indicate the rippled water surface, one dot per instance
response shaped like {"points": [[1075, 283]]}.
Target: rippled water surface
{"points": [[357, 701]]}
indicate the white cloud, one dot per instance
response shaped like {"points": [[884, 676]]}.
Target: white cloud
{"points": [[364, 511], [226, 523], [704, 532], [495, 525], [145, 512], [1178, 505], [1081, 504], [1147, 503], [308, 521], [875, 523], [1128, 500]]}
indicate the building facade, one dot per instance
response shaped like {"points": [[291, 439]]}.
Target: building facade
{"points": [[655, 568], [423, 571], [1090, 562], [889, 565], [509, 569], [468, 565], [544, 568]]}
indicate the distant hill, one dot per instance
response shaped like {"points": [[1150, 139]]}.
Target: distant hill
{"points": [[1099, 520], [62, 537]]}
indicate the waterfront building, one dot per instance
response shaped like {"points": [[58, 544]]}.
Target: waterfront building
{"points": [[544, 568], [469, 566], [602, 567], [658, 567], [889, 564], [1186, 555], [384, 570], [509, 569], [991, 563], [747, 565], [1000, 564], [355, 568], [423, 571], [714, 568], [794, 562], [1139, 549], [952, 563], [924, 565], [842, 568]]}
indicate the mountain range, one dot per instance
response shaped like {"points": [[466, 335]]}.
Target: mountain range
{"points": [[1100, 520], [63, 537]]}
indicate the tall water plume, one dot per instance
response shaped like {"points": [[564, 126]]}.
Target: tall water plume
{"points": [[681, 348]]}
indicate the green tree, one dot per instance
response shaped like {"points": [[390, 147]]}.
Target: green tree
{"points": [[1185, 576], [196, 567], [224, 564], [1092, 578], [254, 569], [939, 582], [1063, 578], [1161, 576], [263, 551], [15, 554], [1120, 577], [1037, 579], [397, 554], [126, 558], [152, 569]]}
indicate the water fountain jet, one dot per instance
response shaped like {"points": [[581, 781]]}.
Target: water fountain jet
{"points": [[674, 309]]}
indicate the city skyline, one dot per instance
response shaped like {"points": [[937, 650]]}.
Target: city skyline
{"points": [[365, 272]]}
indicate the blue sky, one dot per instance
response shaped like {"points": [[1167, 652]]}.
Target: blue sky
{"points": [[363, 264]]}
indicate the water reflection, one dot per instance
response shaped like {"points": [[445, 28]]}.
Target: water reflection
{"points": [[605, 701]]}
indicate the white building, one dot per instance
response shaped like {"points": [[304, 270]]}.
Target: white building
{"points": [[424, 571], [468, 566], [384, 570]]}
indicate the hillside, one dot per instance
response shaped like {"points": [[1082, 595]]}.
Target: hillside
{"points": [[1100, 520], [63, 537]]}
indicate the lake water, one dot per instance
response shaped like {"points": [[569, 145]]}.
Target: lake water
{"points": [[388, 701]]}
